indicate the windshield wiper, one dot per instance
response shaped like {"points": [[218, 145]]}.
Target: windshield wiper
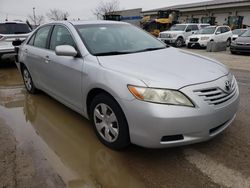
{"points": [[128, 52], [152, 49], [111, 53]]}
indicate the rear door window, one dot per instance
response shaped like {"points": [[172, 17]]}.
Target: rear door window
{"points": [[14, 28], [225, 29], [42, 37], [194, 27]]}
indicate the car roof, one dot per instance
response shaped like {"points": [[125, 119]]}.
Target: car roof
{"points": [[13, 22], [90, 22]]}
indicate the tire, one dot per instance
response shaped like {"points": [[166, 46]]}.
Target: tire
{"points": [[228, 42], [233, 52], [109, 122], [28, 82], [179, 42], [189, 46]]}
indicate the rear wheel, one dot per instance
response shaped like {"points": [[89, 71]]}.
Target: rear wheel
{"points": [[28, 82], [179, 42], [109, 121]]}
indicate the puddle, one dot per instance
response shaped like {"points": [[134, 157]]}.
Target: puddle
{"points": [[65, 140], [9, 76]]}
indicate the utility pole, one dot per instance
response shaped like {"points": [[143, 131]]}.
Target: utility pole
{"points": [[34, 15]]}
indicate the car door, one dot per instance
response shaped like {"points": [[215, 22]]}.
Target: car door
{"points": [[223, 34], [218, 35], [188, 32], [64, 73], [35, 52], [228, 33]]}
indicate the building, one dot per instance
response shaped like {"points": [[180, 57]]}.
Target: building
{"points": [[132, 16], [220, 9]]}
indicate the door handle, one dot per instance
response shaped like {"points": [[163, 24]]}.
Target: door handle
{"points": [[47, 59]]}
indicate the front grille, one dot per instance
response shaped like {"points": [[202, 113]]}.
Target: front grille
{"points": [[165, 35], [216, 96], [194, 39]]}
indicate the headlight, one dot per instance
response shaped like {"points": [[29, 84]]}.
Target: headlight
{"points": [[204, 38], [162, 96]]}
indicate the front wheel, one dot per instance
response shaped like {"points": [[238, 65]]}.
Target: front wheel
{"points": [[228, 42], [28, 82], [179, 42], [233, 52], [109, 121]]}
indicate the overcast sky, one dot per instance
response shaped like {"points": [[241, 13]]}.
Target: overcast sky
{"points": [[19, 9]]}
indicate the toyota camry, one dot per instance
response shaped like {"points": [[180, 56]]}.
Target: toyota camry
{"points": [[133, 87]]}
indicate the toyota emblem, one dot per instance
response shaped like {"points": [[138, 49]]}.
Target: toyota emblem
{"points": [[228, 86]]}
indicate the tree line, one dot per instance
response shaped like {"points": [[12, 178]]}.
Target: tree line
{"points": [[108, 7]]}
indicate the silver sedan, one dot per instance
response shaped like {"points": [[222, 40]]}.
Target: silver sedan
{"points": [[134, 88]]}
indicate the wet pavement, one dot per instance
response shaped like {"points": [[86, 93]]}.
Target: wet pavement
{"points": [[62, 143]]}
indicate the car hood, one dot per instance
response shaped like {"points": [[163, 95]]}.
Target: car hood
{"points": [[166, 68], [243, 39], [200, 35], [173, 32]]}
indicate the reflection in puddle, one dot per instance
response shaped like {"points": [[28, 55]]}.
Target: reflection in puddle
{"points": [[65, 139]]}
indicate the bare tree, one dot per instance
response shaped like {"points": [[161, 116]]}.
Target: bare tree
{"points": [[36, 20], [56, 15], [106, 8]]}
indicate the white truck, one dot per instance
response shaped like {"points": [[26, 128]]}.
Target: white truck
{"points": [[212, 33], [178, 33]]}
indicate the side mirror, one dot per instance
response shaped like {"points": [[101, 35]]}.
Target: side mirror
{"points": [[66, 50], [17, 43], [188, 30]]}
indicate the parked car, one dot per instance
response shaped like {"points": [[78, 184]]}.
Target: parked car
{"points": [[237, 33], [241, 44], [10, 31], [133, 87], [178, 33], [211, 33]]}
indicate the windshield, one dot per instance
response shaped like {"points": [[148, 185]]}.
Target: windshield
{"points": [[207, 30], [178, 28], [14, 28], [238, 31], [203, 26], [114, 39], [246, 34]]}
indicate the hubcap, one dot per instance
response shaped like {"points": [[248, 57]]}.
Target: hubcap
{"points": [[27, 80], [106, 122]]}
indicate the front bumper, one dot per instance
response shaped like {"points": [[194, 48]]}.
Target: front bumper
{"points": [[158, 126], [168, 40], [240, 48], [200, 43]]}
